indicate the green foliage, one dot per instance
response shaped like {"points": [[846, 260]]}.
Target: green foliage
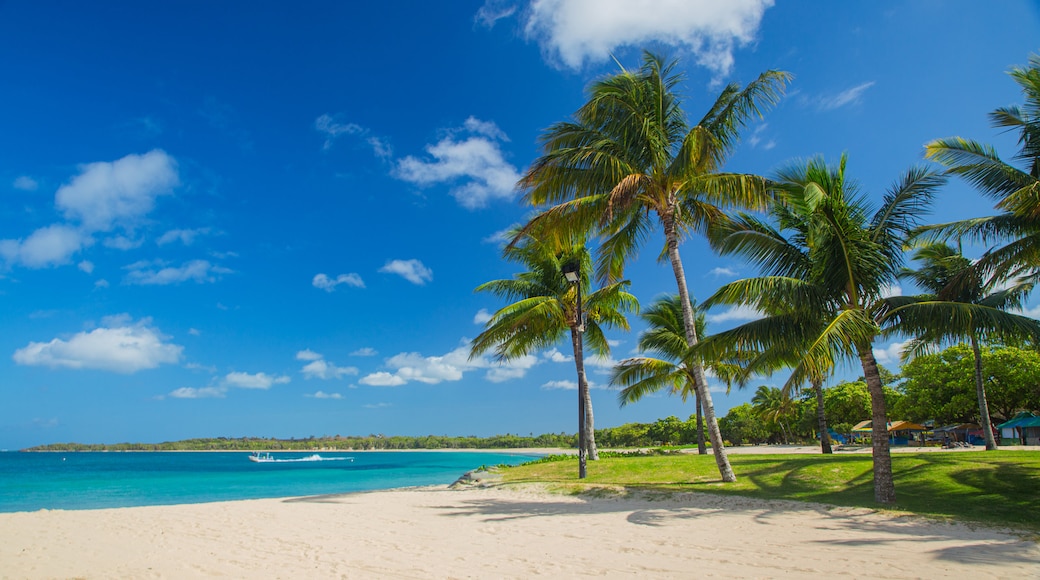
{"points": [[996, 487], [942, 386], [744, 425]]}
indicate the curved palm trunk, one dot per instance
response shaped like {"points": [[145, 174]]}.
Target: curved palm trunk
{"points": [[701, 448], [825, 435], [584, 400], [884, 485], [700, 382], [980, 390]]}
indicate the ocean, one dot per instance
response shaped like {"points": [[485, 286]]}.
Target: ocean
{"points": [[92, 480]]}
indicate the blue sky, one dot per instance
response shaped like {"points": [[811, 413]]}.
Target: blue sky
{"points": [[267, 219]]}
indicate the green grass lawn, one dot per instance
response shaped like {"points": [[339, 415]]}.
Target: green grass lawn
{"points": [[996, 488]]}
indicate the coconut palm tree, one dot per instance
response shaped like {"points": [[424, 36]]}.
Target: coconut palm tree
{"points": [[961, 305], [629, 161], [1017, 191], [853, 254], [545, 308], [673, 368], [775, 406]]}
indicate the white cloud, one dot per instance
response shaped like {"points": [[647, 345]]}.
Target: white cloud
{"points": [[494, 10], [412, 366], [322, 369], [86, 266], [476, 161], [254, 381], [1033, 312], [186, 237], [308, 354], [847, 97], [568, 385], [482, 316], [556, 356], [327, 284], [576, 31], [53, 245], [324, 395], [332, 129], [378, 406], [412, 270], [25, 183], [717, 272], [200, 393], [123, 242], [382, 379], [891, 354], [123, 347], [500, 238], [101, 284], [106, 194], [735, 314], [365, 351], [891, 290], [194, 332], [158, 274]]}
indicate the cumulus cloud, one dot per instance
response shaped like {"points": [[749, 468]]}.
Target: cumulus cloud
{"points": [[735, 314], [850, 96], [414, 367], [412, 270], [482, 316], [567, 385], [891, 291], [474, 163], [86, 266], [198, 393], [575, 31], [186, 237], [106, 194], [324, 395], [891, 354], [157, 273], [365, 351], [254, 381], [556, 356], [25, 183], [53, 245], [308, 354], [323, 369], [718, 272], [327, 284], [122, 347]]}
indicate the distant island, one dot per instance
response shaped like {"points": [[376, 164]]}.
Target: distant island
{"points": [[628, 435]]}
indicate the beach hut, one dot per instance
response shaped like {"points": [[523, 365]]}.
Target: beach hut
{"points": [[1013, 431], [964, 432], [904, 433], [862, 430]]}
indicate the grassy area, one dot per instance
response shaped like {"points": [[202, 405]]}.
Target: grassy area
{"points": [[996, 488]]}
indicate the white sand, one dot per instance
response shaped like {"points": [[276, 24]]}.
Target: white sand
{"points": [[502, 533]]}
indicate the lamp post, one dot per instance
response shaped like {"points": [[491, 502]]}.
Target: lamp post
{"points": [[572, 274]]}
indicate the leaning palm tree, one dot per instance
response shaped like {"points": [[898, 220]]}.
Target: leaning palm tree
{"points": [[545, 308], [775, 406], [673, 367], [629, 156], [1016, 190], [959, 305], [853, 255]]}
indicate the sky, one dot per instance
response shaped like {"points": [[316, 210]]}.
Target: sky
{"points": [[268, 218]]}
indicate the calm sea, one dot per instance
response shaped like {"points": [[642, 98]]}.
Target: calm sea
{"points": [[33, 481]]}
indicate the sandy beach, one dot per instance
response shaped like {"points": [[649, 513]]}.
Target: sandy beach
{"points": [[502, 532]]}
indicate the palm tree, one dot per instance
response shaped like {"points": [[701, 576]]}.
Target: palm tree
{"points": [[674, 367], [1017, 191], [959, 305], [545, 307], [775, 406], [853, 255], [630, 153]]}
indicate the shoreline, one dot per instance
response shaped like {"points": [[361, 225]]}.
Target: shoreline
{"points": [[503, 531]]}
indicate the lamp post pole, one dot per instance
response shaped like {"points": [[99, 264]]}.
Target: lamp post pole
{"points": [[573, 276]]}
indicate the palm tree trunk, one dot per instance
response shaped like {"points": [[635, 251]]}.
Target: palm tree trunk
{"points": [[825, 435], [884, 485], [701, 448], [980, 390], [583, 393], [701, 384]]}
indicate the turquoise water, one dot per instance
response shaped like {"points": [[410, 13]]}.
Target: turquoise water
{"points": [[72, 481]]}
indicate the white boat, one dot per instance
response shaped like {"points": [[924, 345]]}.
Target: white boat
{"points": [[266, 457]]}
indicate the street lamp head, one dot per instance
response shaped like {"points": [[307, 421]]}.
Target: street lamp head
{"points": [[570, 272]]}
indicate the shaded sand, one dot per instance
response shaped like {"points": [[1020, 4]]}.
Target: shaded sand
{"points": [[501, 533]]}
